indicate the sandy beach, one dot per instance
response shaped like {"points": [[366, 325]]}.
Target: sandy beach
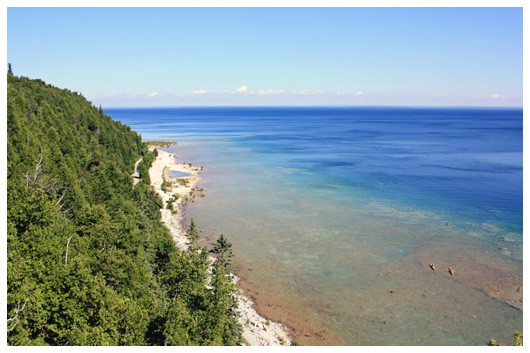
{"points": [[257, 330]]}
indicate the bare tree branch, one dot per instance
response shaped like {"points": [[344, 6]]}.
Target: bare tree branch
{"points": [[38, 168], [36, 172], [67, 244], [19, 309], [26, 176], [61, 198]]}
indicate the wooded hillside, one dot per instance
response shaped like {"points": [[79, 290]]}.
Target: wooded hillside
{"points": [[89, 261]]}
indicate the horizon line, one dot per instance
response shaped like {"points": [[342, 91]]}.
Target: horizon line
{"points": [[319, 106]]}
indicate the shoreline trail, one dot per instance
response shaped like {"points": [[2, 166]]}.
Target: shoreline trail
{"points": [[257, 330]]}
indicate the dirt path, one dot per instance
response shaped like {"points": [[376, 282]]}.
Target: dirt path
{"points": [[136, 174]]}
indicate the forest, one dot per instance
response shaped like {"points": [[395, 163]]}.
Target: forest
{"points": [[89, 261]]}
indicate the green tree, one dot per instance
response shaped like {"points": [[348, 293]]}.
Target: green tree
{"points": [[223, 249], [193, 232], [518, 337], [179, 327], [222, 323]]}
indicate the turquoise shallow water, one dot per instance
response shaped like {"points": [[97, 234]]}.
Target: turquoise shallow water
{"points": [[177, 174], [334, 224]]}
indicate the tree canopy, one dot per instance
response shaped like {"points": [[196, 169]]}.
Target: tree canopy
{"points": [[89, 261]]}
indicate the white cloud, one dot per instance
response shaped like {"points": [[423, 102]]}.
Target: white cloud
{"points": [[245, 96], [242, 89], [268, 92], [306, 92], [200, 91]]}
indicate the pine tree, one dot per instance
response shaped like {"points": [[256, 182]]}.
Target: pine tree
{"points": [[179, 325], [223, 317], [223, 249], [193, 232]]}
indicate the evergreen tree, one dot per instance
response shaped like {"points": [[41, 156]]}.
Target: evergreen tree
{"points": [[9, 69], [193, 232], [179, 328], [223, 318], [223, 249]]}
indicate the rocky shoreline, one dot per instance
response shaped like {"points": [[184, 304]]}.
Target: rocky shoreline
{"points": [[257, 330]]}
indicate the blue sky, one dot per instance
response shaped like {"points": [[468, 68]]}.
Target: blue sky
{"points": [[274, 56]]}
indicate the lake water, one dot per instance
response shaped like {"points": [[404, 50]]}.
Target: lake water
{"points": [[177, 174], [336, 213]]}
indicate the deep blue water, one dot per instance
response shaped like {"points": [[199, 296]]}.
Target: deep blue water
{"points": [[467, 163], [335, 213]]}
